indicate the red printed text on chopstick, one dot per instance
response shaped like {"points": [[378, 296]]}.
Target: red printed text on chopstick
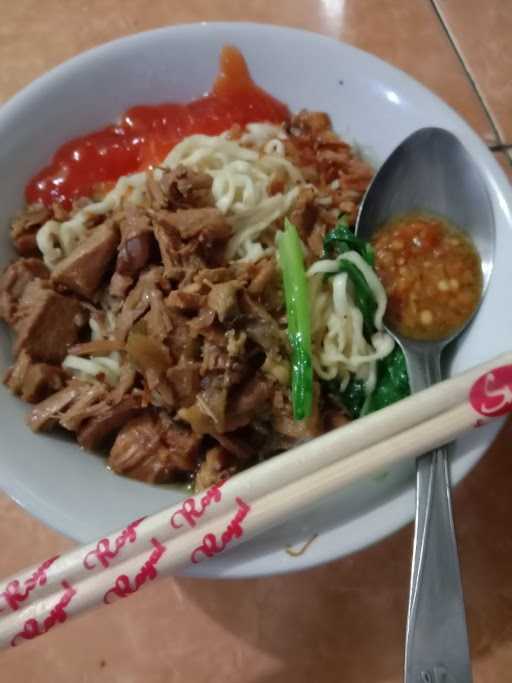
{"points": [[33, 628], [212, 545], [124, 586], [15, 592], [491, 394], [105, 552], [193, 509]]}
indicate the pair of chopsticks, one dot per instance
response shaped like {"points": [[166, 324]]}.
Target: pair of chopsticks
{"points": [[198, 529]]}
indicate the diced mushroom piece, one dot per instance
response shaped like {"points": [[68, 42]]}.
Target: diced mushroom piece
{"points": [[185, 301], [97, 430], [177, 256], [25, 226], [180, 188], [119, 285], [207, 224], [185, 380], [13, 282], [84, 269], [260, 326], [137, 302], [34, 381], [136, 241], [152, 448], [45, 415], [248, 401], [134, 254], [158, 318], [49, 324]]}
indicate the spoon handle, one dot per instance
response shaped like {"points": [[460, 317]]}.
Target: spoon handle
{"points": [[437, 649]]}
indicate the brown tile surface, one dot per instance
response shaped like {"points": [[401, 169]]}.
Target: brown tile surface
{"points": [[32, 41], [482, 31], [342, 622]]}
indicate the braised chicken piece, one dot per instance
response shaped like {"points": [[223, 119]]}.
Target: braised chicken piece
{"points": [[147, 337]]}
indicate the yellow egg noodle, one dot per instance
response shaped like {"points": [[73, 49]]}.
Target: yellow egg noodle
{"points": [[242, 171], [339, 344], [241, 177]]}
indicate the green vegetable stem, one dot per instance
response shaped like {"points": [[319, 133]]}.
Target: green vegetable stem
{"points": [[296, 293]]}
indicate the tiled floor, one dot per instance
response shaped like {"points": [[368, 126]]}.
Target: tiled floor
{"points": [[342, 622], [481, 34]]}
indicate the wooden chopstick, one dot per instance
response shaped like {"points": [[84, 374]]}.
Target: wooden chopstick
{"points": [[299, 462], [203, 526]]}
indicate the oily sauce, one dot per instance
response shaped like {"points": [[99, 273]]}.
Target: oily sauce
{"points": [[145, 134], [431, 273]]}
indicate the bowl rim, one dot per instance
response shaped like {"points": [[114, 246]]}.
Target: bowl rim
{"points": [[79, 62]]}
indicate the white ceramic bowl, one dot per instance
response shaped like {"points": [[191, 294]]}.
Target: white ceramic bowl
{"points": [[370, 103]]}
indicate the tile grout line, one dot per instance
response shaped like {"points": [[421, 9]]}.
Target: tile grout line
{"points": [[451, 39], [500, 147]]}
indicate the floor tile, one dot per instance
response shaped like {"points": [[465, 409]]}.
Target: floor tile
{"points": [[482, 32], [407, 34]]}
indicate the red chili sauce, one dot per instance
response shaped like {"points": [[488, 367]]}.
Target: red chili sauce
{"points": [[432, 275], [146, 133]]}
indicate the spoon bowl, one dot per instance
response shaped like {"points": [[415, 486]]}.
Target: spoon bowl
{"points": [[432, 172]]}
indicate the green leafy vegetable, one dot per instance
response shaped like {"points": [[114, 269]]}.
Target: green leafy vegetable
{"points": [[296, 293], [336, 243], [341, 239], [392, 381], [351, 399], [392, 385]]}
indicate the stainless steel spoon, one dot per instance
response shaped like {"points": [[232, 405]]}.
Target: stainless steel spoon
{"points": [[431, 171]]}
